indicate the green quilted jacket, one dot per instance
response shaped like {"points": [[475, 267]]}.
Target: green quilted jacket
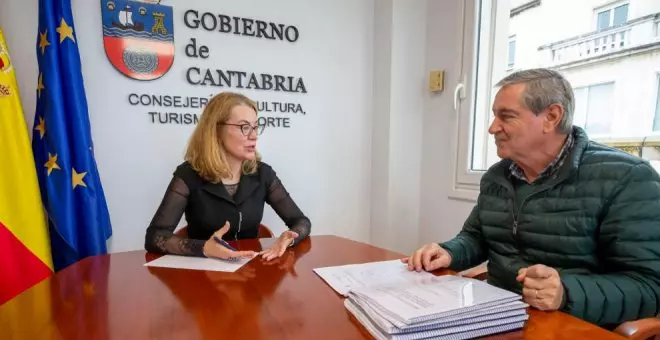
{"points": [[596, 221]]}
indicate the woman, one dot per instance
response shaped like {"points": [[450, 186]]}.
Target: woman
{"points": [[222, 187]]}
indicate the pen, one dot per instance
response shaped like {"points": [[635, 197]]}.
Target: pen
{"points": [[221, 241]]}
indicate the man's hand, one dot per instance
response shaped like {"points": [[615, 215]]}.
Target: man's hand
{"points": [[542, 287], [429, 257], [283, 242], [214, 249]]}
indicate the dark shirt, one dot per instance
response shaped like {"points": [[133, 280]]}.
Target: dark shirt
{"points": [[208, 206]]}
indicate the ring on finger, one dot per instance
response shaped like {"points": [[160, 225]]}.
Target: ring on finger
{"points": [[536, 294]]}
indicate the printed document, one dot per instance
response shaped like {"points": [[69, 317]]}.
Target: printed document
{"points": [[345, 278]]}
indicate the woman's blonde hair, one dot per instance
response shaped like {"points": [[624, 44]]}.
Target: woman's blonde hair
{"points": [[205, 152]]}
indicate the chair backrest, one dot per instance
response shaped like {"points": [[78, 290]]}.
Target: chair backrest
{"points": [[182, 232], [264, 232]]}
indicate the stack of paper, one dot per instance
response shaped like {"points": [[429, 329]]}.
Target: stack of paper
{"points": [[425, 306]]}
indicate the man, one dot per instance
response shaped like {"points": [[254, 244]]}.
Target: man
{"points": [[570, 224]]}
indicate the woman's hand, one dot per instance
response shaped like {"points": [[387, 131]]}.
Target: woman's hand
{"points": [[213, 248], [283, 242]]}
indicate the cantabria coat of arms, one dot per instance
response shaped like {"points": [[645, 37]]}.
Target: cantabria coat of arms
{"points": [[138, 37]]}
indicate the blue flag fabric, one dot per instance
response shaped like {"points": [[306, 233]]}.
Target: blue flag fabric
{"points": [[79, 222]]}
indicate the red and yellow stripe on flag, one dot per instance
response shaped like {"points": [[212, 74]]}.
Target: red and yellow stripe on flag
{"points": [[25, 257]]}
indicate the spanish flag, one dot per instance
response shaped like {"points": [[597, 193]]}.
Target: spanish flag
{"points": [[25, 256]]}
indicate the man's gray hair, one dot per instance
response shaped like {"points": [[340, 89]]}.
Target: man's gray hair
{"points": [[544, 87]]}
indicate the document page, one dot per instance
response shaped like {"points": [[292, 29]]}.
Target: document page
{"points": [[431, 299], [345, 278], [197, 263]]}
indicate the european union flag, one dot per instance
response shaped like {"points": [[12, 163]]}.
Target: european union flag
{"points": [[79, 223]]}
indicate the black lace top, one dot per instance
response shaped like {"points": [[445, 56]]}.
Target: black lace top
{"points": [[160, 235]]}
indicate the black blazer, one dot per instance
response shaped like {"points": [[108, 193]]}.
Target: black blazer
{"points": [[210, 205]]}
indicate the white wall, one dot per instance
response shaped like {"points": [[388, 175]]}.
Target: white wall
{"points": [[639, 8], [441, 217], [399, 52], [327, 176], [412, 164]]}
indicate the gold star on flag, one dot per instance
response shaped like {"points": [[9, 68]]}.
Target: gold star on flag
{"points": [[52, 163], [40, 85], [41, 127], [65, 31], [77, 178], [43, 41]]}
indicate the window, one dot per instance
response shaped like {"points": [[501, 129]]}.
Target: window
{"points": [[620, 15], [603, 20], [484, 39], [511, 60], [613, 16], [616, 98], [656, 119], [592, 111]]}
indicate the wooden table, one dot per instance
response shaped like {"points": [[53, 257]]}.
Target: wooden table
{"points": [[116, 297]]}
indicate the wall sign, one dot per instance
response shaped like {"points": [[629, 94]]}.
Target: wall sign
{"points": [[138, 37]]}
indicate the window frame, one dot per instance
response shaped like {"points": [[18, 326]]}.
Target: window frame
{"points": [[511, 66], [609, 23], [656, 114], [627, 14], [610, 8], [476, 72], [588, 87]]}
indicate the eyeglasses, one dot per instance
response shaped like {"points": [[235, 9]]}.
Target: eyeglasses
{"points": [[246, 129]]}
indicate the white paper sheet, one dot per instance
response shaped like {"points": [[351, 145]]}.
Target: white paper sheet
{"points": [[197, 263], [344, 278]]}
